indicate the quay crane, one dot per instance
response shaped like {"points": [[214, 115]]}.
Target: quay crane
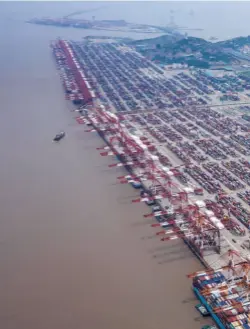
{"points": [[237, 276], [187, 219], [226, 289], [229, 258], [74, 80], [229, 296], [200, 230], [137, 153]]}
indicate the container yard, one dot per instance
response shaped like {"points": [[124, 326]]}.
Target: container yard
{"points": [[108, 25], [189, 161]]}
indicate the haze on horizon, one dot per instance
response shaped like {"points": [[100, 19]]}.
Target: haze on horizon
{"points": [[223, 19]]}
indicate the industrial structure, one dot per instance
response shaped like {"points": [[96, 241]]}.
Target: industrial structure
{"points": [[192, 180]]}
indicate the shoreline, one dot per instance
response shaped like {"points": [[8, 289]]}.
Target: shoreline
{"points": [[135, 153], [89, 25], [89, 119], [72, 244]]}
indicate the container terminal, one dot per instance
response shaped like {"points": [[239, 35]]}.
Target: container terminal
{"points": [[109, 25], [188, 158]]}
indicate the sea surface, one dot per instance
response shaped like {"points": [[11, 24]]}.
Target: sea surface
{"points": [[74, 252], [221, 19]]}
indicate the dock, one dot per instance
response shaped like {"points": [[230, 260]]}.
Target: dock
{"points": [[190, 160]]}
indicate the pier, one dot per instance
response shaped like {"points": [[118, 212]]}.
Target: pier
{"points": [[189, 160]]}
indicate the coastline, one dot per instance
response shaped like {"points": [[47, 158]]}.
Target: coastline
{"points": [[66, 250], [85, 240], [100, 120]]}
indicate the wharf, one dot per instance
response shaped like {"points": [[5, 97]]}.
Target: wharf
{"points": [[142, 123], [211, 260], [179, 147]]}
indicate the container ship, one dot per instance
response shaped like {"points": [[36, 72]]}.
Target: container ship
{"points": [[181, 212], [224, 292]]}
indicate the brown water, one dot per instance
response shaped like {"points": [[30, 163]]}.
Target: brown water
{"points": [[74, 252]]}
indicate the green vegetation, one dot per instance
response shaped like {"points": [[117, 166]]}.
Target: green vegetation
{"points": [[198, 63], [245, 74], [217, 57], [190, 50], [235, 43], [190, 61]]}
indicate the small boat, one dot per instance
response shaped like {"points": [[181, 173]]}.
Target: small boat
{"points": [[59, 136], [202, 309]]}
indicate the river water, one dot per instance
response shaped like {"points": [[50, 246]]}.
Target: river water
{"points": [[74, 252]]}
